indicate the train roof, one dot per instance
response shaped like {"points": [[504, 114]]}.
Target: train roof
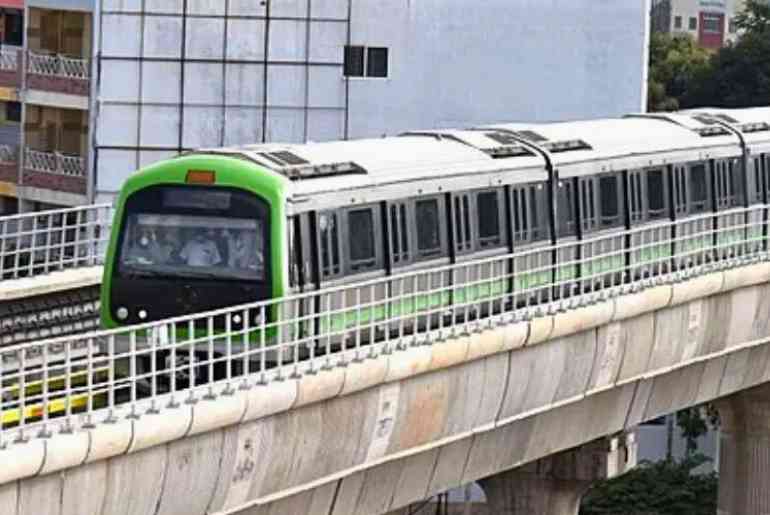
{"points": [[321, 175], [632, 142]]}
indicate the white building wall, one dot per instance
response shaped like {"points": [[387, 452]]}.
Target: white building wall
{"points": [[222, 73]]}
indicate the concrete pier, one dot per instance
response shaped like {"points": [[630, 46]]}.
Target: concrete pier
{"points": [[744, 457], [555, 485]]}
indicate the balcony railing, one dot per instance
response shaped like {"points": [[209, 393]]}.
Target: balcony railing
{"points": [[9, 58], [8, 154], [55, 162], [56, 65]]}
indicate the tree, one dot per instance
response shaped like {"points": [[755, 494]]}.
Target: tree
{"points": [[674, 63], [739, 74], [663, 488]]}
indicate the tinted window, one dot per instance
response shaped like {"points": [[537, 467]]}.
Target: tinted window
{"points": [[489, 219], [698, 188], [656, 194], [428, 232], [328, 234], [377, 62], [609, 193], [738, 190], [354, 61], [567, 226], [399, 238], [361, 239], [462, 223]]}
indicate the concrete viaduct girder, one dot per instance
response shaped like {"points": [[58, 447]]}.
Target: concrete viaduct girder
{"points": [[374, 436]]}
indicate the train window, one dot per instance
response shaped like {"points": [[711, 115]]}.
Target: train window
{"points": [[490, 233], [528, 208], [680, 190], [361, 239], [328, 235], [699, 188], [738, 186], [462, 223], [399, 236], [766, 174], [636, 197], [758, 190], [611, 203], [566, 208], [587, 204], [657, 200], [427, 216]]}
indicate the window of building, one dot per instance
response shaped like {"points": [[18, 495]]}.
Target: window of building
{"points": [[363, 255], [712, 23], [354, 61], [656, 194], [361, 61], [677, 22], [490, 234], [377, 62], [428, 228], [693, 23], [14, 28], [13, 111]]}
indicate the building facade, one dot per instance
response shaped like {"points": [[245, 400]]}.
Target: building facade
{"points": [[710, 22], [130, 82]]}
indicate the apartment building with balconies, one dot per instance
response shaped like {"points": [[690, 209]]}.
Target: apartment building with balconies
{"points": [[45, 88]]}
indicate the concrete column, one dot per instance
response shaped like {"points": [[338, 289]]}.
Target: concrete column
{"points": [[744, 454], [555, 485]]}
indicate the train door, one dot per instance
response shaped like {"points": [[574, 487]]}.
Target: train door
{"points": [[602, 213], [532, 265], [729, 201], [693, 232], [418, 241], [566, 269], [479, 234], [649, 215]]}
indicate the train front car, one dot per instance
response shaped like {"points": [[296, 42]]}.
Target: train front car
{"points": [[192, 234]]}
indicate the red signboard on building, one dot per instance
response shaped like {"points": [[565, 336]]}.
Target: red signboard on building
{"points": [[711, 33], [14, 4]]}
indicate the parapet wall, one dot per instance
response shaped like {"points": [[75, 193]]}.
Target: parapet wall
{"points": [[375, 435]]}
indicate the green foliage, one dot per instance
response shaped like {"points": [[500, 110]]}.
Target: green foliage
{"points": [[694, 422], [674, 63], [663, 488]]}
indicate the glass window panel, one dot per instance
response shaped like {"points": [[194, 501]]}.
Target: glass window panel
{"points": [[428, 228], [354, 61], [656, 194], [377, 62], [698, 188], [361, 238], [489, 219], [610, 209]]}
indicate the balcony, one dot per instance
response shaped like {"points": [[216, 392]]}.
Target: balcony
{"points": [[55, 171], [58, 73], [10, 71], [9, 163]]}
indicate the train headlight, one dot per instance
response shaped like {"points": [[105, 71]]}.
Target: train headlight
{"points": [[122, 313], [142, 314]]}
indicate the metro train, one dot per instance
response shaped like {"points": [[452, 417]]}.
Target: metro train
{"points": [[227, 226]]}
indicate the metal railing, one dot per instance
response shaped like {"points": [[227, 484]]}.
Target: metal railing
{"points": [[48, 241], [57, 65], [54, 162], [9, 58], [126, 372], [9, 154]]}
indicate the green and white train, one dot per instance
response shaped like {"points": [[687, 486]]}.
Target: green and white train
{"points": [[229, 226]]}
